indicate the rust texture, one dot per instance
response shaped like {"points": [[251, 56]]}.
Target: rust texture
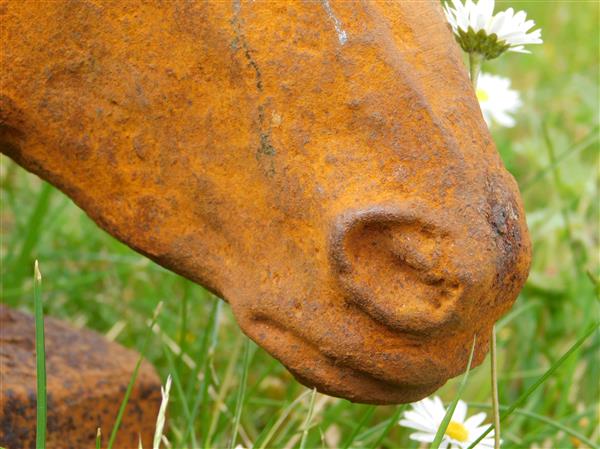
{"points": [[86, 379], [323, 167]]}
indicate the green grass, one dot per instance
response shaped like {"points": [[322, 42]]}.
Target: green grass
{"points": [[435, 444], [556, 365], [123, 406], [91, 279], [40, 360]]}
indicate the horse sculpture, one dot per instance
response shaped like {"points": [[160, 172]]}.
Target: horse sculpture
{"points": [[322, 167]]}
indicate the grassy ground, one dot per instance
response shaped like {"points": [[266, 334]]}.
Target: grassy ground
{"points": [[92, 280]]}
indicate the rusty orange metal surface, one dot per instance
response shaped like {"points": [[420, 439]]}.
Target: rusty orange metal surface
{"points": [[323, 167], [86, 379]]}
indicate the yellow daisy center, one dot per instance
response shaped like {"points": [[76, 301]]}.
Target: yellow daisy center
{"points": [[457, 431], [482, 95]]}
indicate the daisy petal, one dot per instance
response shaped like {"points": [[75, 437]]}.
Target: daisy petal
{"points": [[422, 426], [422, 437], [475, 420], [497, 100], [460, 412]]}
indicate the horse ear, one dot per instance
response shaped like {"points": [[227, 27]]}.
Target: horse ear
{"points": [[390, 263]]}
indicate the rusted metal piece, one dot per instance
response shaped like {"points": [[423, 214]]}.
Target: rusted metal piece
{"points": [[322, 167], [86, 379]]}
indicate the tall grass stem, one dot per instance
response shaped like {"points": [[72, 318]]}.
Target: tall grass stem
{"points": [[439, 435], [306, 425], [183, 330], [495, 400], [239, 404], [40, 358]]}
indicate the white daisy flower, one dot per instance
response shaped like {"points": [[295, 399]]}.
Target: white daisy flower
{"points": [[478, 30], [427, 415], [497, 99]]}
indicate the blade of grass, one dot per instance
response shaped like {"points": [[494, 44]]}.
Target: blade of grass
{"points": [[539, 382], [595, 282], [219, 402], [40, 358], [83, 280], [31, 236], [372, 431], [393, 420], [494, 379], [282, 417], [564, 210], [117, 424], [239, 403], [583, 144], [183, 329], [306, 425], [271, 420], [555, 424], [448, 416], [177, 381], [160, 419], [365, 418], [516, 312], [288, 434], [98, 439], [332, 413], [209, 339], [208, 380], [272, 365]]}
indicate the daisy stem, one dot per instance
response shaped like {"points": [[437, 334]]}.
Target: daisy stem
{"points": [[495, 401], [475, 61]]}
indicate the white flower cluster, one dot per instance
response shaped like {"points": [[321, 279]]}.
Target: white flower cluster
{"points": [[477, 29], [485, 35]]}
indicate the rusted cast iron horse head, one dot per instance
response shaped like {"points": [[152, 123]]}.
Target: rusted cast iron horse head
{"points": [[324, 167]]}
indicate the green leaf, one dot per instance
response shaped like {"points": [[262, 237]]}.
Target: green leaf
{"points": [[448, 416]]}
